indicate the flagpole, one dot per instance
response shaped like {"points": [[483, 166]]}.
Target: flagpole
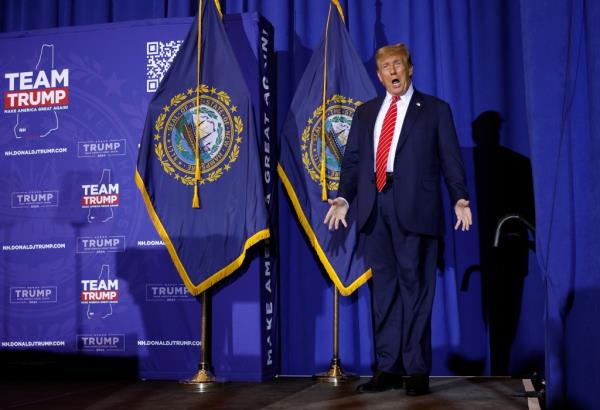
{"points": [[203, 380], [335, 375]]}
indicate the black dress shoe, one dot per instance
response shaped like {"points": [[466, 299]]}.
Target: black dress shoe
{"points": [[381, 381], [417, 384]]}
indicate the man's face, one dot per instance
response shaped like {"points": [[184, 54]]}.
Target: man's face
{"points": [[394, 73]]}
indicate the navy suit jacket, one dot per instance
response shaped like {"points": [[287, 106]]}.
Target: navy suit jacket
{"points": [[427, 149]]}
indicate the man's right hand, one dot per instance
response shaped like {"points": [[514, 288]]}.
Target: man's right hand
{"points": [[336, 214]]}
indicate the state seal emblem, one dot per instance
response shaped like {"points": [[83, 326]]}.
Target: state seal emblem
{"points": [[220, 135], [338, 119]]}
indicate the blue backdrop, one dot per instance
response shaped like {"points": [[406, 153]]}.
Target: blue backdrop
{"points": [[522, 78]]}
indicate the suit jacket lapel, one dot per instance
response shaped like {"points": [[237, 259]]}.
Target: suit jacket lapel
{"points": [[371, 118], [414, 109]]}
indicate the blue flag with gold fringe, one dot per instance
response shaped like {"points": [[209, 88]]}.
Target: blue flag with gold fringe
{"points": [[198, 164], [314, 137]]}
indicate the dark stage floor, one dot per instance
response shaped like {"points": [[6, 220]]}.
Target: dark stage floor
{"points": [[283, 393]]}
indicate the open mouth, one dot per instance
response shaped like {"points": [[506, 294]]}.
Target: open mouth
{"points": [[396, 82]]}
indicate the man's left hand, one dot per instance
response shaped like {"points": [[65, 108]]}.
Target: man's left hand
{"points": [[463, 215]]}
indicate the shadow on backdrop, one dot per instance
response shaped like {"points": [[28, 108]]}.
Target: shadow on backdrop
{"points": [[504, 186]]}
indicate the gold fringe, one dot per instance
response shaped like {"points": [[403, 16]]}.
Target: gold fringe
{"points": [[344, 290], [214, 278]]}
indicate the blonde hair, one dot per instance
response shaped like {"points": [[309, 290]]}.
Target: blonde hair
{"points": [[393, 49]]}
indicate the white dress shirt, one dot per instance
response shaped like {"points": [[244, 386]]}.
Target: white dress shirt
{"points": [[402, 106]]}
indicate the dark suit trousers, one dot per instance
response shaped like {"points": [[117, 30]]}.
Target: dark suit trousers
{"points": [[403, 286]]}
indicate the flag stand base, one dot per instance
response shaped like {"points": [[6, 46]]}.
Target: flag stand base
{"points": [[203, 380], [335, 375]]}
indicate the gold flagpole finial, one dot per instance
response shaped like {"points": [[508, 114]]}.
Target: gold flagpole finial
{"points": [[218, 6], [336, 3]]}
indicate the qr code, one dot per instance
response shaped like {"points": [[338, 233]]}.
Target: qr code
{"points": [[160, 55]]}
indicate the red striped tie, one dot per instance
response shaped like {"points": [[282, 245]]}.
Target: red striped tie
{"points": [[385, 142]]}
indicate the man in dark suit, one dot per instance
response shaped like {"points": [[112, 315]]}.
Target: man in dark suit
{"points": [[398, 146]]}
